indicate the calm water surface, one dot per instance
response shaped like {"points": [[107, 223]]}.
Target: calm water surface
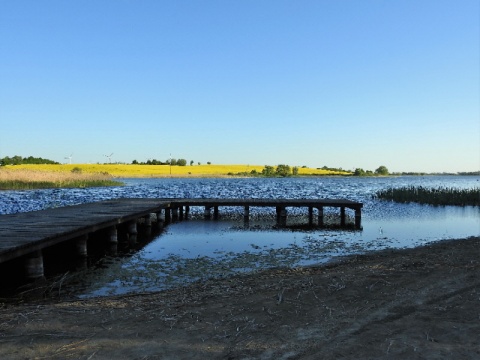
{"points": [[197, 249]]}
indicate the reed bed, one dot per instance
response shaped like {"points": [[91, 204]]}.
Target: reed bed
{"points": [[21, 179], [432, 196]]}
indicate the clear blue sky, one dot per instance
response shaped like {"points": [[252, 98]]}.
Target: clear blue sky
{"points": [[342, 83]]}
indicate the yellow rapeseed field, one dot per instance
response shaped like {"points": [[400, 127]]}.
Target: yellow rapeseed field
{"points": [[147, 171]]}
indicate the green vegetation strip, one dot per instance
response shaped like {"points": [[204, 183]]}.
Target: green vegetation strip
{"points": [[432, 196]]}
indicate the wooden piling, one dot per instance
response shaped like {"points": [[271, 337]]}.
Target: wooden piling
{"points": [[358, 218], [113, 235], [320, 216], [207, 213], [34, 266], [246, 214], [81, 245]]}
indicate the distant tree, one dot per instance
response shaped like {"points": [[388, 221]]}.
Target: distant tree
{"points": [[359, 172], [181, 162], [134, 162], [191, 162], [283, 170], [17, 160], [209, 163], [382, 170], [295, 170], [199, 163], [268, 171]]}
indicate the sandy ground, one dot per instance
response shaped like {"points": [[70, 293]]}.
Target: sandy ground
{"points": [[421, 303]]}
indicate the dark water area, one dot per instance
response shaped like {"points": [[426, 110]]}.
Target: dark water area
{"points": [[196, 249]]}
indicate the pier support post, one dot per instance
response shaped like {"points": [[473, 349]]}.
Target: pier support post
{"points": [[81, 262], [310, 216], [112, 240], [246, 215], [320, 216], [187, 212], [175, 214], [113, 235], [282, 217], [167, 215], [358, 218], [342, 216], [180, 209], [132, 232], [159, 219], [207, 214], [81, 245], [132, 227], [34, 266], [215, 212], [159, 215], [148, 220]]}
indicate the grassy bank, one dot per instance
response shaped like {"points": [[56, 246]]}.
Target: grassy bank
{"points": [[21, 179], [432, 196], [153, 171]]}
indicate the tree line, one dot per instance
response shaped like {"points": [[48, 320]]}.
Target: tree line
{"points": [[19, 160], [380, 171]]}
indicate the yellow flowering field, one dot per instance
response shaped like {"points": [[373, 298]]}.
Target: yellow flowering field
{"points": [[145, 171]]}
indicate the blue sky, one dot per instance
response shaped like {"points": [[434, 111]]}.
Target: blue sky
{"points": [[342, 83]]}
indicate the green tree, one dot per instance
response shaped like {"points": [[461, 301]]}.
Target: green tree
{"points": [[283, 170], [382, 170], [181, 162], [359, 172], [268, 171]]}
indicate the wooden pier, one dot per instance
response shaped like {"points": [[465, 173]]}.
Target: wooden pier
{"points": [[25, 235]]}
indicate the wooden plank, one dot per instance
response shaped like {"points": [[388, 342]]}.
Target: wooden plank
{"points": [[22, 233]]}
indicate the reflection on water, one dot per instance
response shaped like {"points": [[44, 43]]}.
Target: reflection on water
{"points": [[197, 249]]}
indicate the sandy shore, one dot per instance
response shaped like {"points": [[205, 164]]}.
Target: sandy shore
{"points": [[421, 303]]}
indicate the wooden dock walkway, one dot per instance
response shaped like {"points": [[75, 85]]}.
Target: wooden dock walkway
{"points": [[24, 235]]}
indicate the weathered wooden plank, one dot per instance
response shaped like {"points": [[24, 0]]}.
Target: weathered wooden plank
{"points": [[27, 232]]}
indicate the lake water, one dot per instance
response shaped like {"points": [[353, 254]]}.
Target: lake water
{"points": [[197, 249]]}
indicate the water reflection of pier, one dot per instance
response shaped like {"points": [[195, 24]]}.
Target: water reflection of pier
{"points": [[25, 236]]}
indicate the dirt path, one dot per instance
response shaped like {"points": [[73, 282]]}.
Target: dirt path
{"points": [[417, 304]]}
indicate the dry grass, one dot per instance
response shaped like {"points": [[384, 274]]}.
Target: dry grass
{"points": [[24, 178]]}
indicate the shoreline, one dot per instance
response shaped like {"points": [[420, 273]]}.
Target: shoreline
{"points": [[397, 303]]}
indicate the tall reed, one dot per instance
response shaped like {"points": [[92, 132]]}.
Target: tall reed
{"points": [[432, 196]]}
